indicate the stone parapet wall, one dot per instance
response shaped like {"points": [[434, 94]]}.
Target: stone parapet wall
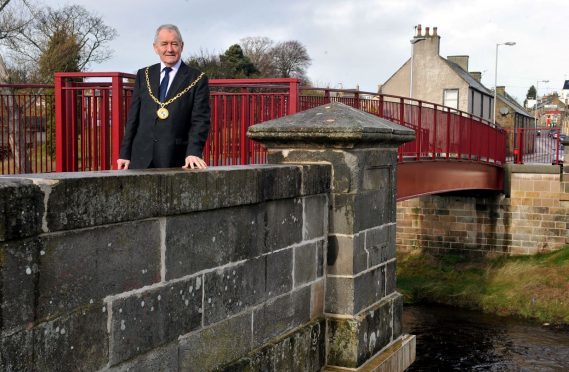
{"points": [[533, 218], [172, 269]]}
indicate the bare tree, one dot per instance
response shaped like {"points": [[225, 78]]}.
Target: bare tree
{"points": [[89, 31], [259, 50], [15, 15], [291, 59]]}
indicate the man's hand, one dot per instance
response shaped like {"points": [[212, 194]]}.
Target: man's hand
{"points": [[194, 162], [123, 164]]}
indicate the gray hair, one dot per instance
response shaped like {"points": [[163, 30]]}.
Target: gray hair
{"points": [[168, 27]]}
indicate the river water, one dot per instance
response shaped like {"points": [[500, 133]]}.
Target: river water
{"points": [[451, 339]]}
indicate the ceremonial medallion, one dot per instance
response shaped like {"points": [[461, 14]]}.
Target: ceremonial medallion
{"points": [[162, 113]]}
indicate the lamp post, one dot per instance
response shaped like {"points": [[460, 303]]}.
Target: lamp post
{"points": [[413, 41], [508, 43], [536, 99]]}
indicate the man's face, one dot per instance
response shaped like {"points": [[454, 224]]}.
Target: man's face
{"points": [[168, 47]]}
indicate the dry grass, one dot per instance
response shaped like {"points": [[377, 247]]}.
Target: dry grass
{"points": [[531, 287]]}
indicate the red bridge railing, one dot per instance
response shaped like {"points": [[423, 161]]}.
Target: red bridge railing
{"points": [[27, 140], [442, 133], [91, 111]]}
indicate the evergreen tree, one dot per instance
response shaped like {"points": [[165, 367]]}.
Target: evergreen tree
{"points": [[532, 92], [62, 54], [235, 64]]}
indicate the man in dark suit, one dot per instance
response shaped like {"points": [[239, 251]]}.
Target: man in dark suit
{"points": [[169, 118]]}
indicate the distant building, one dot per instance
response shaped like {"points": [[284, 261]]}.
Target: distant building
{"points": [[427, 76], [553, 112], [564, 96], [511, 115]]}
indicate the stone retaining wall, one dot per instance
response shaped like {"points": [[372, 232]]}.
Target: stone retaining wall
{"points": [[532, 217], [161, 270]]}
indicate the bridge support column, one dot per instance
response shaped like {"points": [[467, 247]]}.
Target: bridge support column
{"points": [[362, 308]]}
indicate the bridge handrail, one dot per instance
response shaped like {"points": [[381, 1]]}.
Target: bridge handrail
{"points": [[87, 100]]}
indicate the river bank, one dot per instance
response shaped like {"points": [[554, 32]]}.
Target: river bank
{"points": [[531, 287]]}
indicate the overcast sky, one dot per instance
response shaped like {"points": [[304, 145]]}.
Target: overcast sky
{"points": [[355, 41]]}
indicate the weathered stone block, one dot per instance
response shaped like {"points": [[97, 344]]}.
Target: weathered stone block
{"points": [[17, 351], [390, 277], [317, 299], [282, 224], [315, 217], [143, 321], [376, 177], [21, 209], [322, 248], [204, 240], [344, 164], [305, 263], [281, 315], [346, 254], [350, 295], [349, 167], [279, 271], [279, 182], [164, 359], [379, 245], [397, 315], [352, 213], [231, 290], [86, 199], [18, 277], [185, 192], [80, 267], [303, 350], [316, 179], [221, 343], [75, 342], [353, 341]]}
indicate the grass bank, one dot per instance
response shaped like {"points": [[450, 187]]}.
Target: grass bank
{"points": [[533, 287]]}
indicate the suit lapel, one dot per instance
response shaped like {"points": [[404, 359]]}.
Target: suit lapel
{"points": [[179, 79], [154, 77]]}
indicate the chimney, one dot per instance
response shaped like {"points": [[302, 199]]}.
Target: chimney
{"points": [[426, 43], [501, 90], [462, 61], [477, 75]]}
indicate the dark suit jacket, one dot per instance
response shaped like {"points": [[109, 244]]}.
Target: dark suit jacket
{"points": [[166, 143]]}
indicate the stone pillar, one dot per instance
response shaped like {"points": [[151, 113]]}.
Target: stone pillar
{"points": [[363, 310]]}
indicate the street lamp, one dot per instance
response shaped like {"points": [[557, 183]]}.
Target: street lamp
{"points": [[413, 42], [536, 99], [508, 43]]}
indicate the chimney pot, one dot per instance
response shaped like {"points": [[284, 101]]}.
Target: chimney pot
{"points": [[419, 32], [434, 31], [427, 31]]}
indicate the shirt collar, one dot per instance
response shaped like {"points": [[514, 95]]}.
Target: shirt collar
{"points": [[174, 68]]}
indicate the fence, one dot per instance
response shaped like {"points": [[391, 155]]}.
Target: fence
{"points": [[442, 133], [26, 128], [91, 111], [536, 146]]}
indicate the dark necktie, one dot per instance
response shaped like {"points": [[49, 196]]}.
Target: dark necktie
{"points": [[164, 83]]}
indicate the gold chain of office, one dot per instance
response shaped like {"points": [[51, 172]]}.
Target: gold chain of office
{"points": [[163, 111]]}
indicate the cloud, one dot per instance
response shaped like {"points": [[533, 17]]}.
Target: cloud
{"points": [[356, 42]]}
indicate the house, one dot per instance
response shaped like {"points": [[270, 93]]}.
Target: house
{"points": [[511, 116], [509, 113], [565, 92], [553, 112], [427, 76]]}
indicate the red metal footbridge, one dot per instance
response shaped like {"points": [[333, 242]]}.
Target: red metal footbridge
{"points": [[77, 125]]}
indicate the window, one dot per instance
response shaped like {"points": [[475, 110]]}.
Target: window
{"points": [[450, 98]]}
